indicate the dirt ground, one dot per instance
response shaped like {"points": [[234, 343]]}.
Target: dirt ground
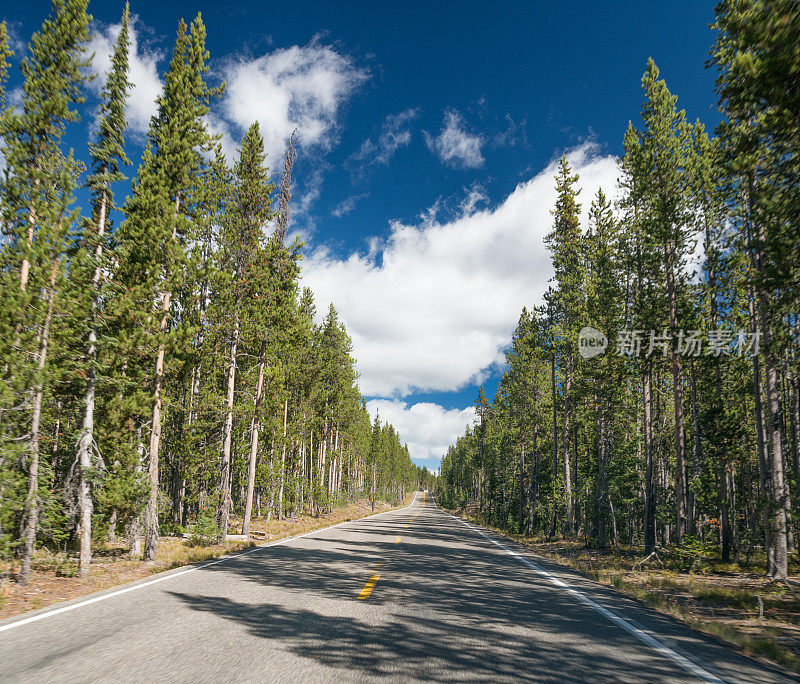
{"points": [[54, 574]]}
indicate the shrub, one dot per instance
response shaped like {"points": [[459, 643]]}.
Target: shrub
{"points": [[206, 530]]}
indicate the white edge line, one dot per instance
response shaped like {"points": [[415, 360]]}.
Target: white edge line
{"points": [[165, 577], [653, 642]]}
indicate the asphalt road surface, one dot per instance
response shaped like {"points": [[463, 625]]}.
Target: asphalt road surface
{"points": [[413, 594]]}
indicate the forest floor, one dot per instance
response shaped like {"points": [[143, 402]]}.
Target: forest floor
{"points": [[54, 573], [731, 601]]}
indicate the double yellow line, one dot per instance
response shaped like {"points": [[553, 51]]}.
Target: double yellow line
{"points": [[372, 581]]}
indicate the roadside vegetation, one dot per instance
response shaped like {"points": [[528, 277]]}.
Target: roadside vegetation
{"points": [[653, 401], [646, 430], [161, 367]]}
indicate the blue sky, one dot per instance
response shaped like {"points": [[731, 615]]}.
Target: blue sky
{"points": [[427, 139]]}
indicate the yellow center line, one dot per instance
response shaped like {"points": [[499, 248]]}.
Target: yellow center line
{"points": [[369, 586], [397, 541]]}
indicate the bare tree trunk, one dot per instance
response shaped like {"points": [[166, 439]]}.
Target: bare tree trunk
{"points": [[522, 488], [696, 449], [133, 529], [112, 526], [567, 428], [677, 387], [758, 411], [26, 266], [650, 494], [283, 460], [601, 494], [311, 497], [31, 506], [151, 531], [613, 520], [534, 486], [555, 445], [726, 532], [780, 499], [227, 438], [255, 426], [87, 428]]}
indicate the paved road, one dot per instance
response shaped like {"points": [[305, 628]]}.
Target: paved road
{"points": [[413, 594]]}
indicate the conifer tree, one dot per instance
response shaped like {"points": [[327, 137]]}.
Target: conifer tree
{"points": [[156, 231], [603, 309], [249, 208], [756, 56], [564, 244], [664, 140], [108, 156], [38, 193]]}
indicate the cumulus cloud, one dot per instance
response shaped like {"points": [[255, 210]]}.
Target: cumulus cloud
{"points": [[302, 87], [427, 428], [432, 307], [395, 133], [147, 84], [454, 145]]}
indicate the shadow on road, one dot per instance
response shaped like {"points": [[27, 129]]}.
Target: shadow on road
{"points": [[446, 607]]}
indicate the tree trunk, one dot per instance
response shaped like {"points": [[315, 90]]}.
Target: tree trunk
{"points": [[151, 531], [555, 445], [31, 505], [677, 387], [255, 426], [779, 512], [522, 489], [87, 428], [650, 494], [696, 455], [601, 494], [227, 437], [283, 460], [26, 266], [567, 428]]}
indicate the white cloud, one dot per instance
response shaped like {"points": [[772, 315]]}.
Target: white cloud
{"points": [[432, 307], [427, 428], [347, 205], [147, 84], [15, 41], [299, 87], [395, 134], [454, 145], [474, 197]]}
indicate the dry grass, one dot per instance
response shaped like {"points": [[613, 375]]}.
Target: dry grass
{"points": [[54, 574], [726, 600]]}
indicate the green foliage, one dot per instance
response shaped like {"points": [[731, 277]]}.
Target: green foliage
{"points": [[205, 531], [623, 449]]}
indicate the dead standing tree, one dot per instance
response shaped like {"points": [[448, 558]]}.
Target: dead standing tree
{"points": [[282, 223]]}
